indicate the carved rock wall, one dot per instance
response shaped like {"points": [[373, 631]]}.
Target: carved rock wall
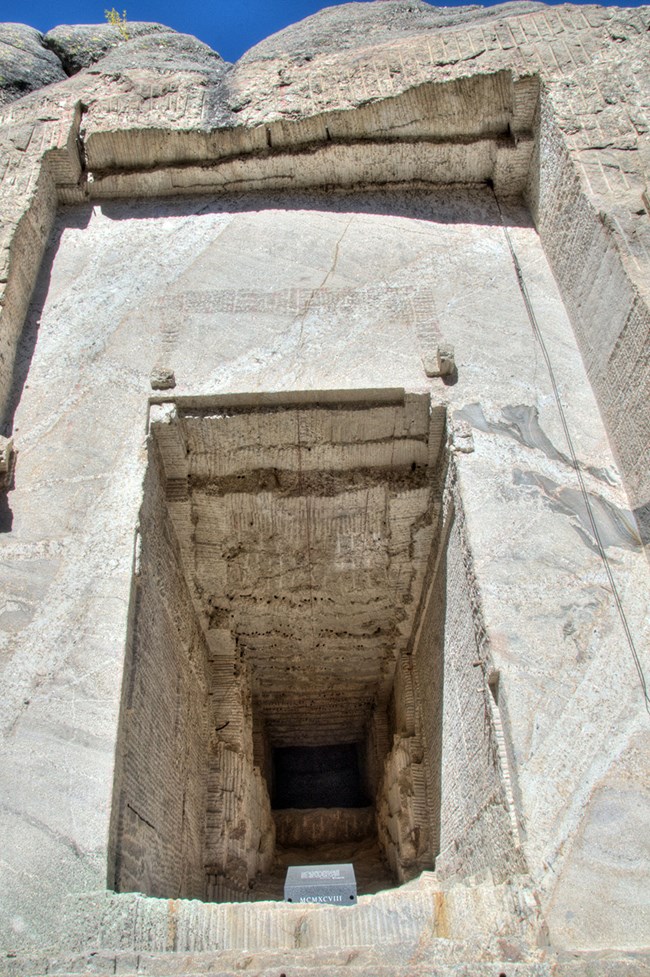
{"points": [[240, 292], [143, 128], [304, 532], [160, 791], [478, 822], [589, 262]]}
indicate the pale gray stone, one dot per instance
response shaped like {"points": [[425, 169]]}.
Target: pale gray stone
{"points": [[6, 457], [353, 25], [164, 50], [446, 360], [442, 364], [162, 378], [299, 543]]}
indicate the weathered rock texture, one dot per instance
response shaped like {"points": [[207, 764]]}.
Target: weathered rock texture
{"points": [[80, 45], [240, 515], [25, 62]]}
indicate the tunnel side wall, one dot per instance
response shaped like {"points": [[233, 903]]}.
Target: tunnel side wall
{"points": [[160, 784], [470, 820]]}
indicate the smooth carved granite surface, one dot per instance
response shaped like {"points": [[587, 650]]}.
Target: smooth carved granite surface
{"points": [[325, 216], [263, 293], [160, 123]]}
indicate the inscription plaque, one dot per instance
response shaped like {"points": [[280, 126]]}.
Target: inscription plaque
{"points": [[332, 884]]}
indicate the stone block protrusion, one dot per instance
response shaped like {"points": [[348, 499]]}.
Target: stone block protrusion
{"points": [[446, 359], [7, 457], [402, 829], [443, 364], [461, 437], [162, 378]]}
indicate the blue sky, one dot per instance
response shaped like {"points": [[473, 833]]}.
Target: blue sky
{"points": [[229, 28]]}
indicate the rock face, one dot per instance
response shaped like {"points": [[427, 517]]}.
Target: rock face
{"points": [[26, 64], [165, 51], [29, 60], [356, 26], [325, 396], [81, 45]]}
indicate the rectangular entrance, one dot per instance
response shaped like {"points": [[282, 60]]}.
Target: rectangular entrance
{"points": [[274, 710]]}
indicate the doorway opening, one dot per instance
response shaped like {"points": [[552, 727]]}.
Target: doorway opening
{"points": [[317, 776], [283, 694]]}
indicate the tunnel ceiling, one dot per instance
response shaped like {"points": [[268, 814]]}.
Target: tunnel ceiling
{"points": [[304, 532]]}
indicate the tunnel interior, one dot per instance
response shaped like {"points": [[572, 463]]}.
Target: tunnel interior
{"points": [[318, 776], [283, 694]]}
